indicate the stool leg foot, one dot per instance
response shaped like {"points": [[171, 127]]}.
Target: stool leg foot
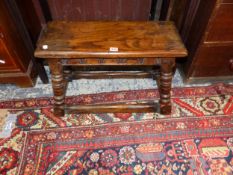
{"points": [[58, 112], [165, 85], [58, 84]]}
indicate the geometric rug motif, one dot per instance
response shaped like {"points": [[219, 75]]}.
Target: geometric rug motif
{"points": [[197, 138], [172, 146]]}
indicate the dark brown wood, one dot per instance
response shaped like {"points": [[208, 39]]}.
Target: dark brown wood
{"points": [[67, 72], [231, 64], [202, 60], [39, 11], [22, 79], [17, 65], [166, 9], [220, 64], [7, 61], [110, 61], [221, 26], [95, 39], [153, 9], [178, 12], [113, 108], [90, 10], [207, 32], [86, 44], [108, 74], [44, 10], [183, 14], [191, 8], [23, 11], [167, 67], [30, 19], [227, 1], [103, 72], [58, 85]]}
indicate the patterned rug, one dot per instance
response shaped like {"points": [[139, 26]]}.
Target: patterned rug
{"points": [[197, 138]]}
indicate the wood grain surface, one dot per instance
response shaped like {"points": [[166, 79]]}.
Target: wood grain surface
{"points": [[94, 39]]}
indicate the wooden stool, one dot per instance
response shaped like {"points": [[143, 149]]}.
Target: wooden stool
{"points": [[110, 45]]}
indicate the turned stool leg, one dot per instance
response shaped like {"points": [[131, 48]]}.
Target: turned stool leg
{"points": [[58, 84], [165, 85]]}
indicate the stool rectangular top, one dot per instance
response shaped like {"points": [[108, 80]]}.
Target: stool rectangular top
{"points": [[61, 39]]}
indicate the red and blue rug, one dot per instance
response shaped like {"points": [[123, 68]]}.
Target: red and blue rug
{"points": [[196, 139]]}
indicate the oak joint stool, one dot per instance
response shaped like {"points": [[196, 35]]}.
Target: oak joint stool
{"points": [[110, 46]]}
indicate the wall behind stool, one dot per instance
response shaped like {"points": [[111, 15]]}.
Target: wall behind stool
{"points": [[82, 10]]}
